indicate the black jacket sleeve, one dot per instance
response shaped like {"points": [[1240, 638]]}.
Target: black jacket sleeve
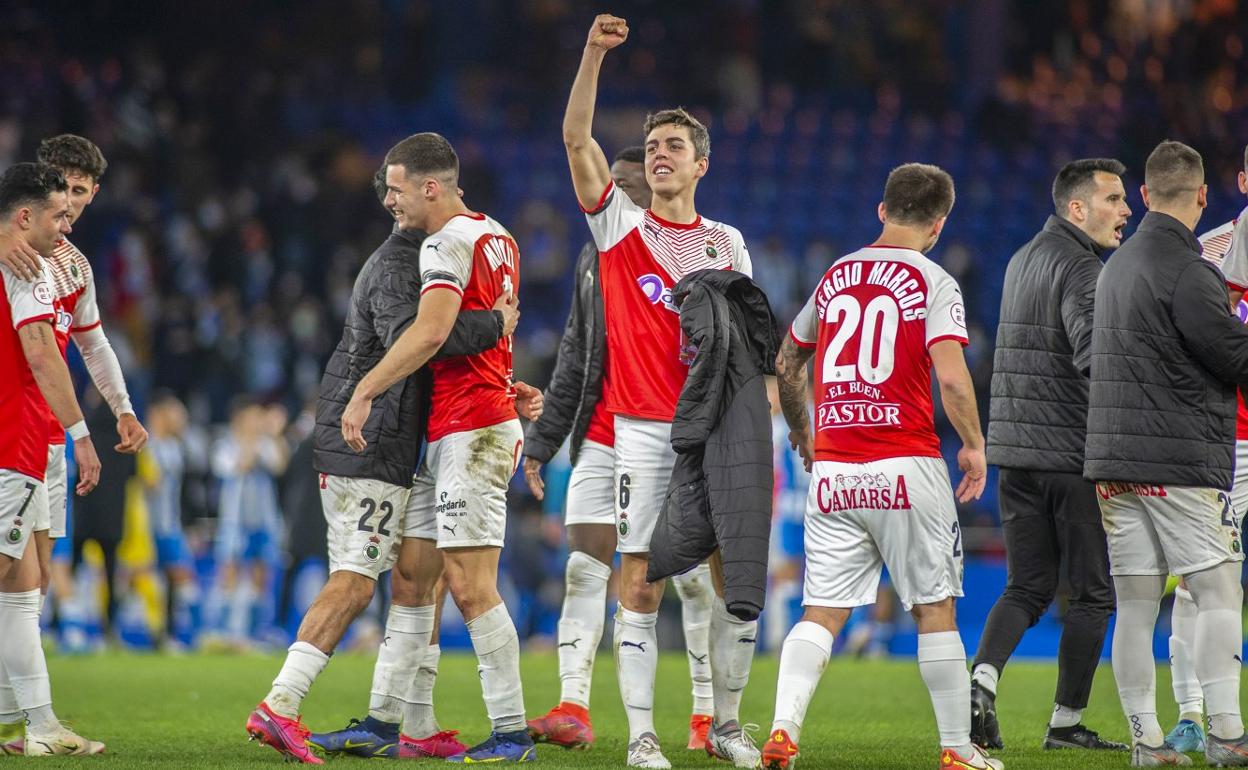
{"points": [[704, 322], [563, 394], [1202, 315], [475, 331], [1078, 298]]}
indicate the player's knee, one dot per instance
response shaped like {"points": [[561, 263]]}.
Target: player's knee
{"points": [[1033, 597], [1218, 587], [352, 591], [641, 598], [935, 617], [586, 576]]}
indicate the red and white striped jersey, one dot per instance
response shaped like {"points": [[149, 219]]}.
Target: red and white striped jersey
{"points": [[1225, 246], [872, 320], [642, 257], [476, 257], [73, 285]]}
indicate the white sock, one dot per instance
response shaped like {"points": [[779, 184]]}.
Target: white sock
{"points": [[696, 592], [986, 676], [732, 653], [402, 648], [304, 663], [942, 664], [1132, 655], [498, 663], [419, 720], [803, 658], [1064, 716], [22, 656], [1187, 692], [581, 624], [1219, 599], [636, 663], [10, 714]]}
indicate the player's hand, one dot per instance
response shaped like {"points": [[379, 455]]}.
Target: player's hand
{"points": [[353, 419], [509, 305], [529, 401], [974, 465], [133, 435], [608, 32], [533, 477], [20, 257], [88, 463], [805, 446]]}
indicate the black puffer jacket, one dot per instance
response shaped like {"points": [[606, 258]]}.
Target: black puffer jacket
{"points": [[721, 489], [384, 302], [576, 384], [1166, 358], [1038, 415]]}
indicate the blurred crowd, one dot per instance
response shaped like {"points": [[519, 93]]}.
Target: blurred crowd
{"points": [[238, 204]]}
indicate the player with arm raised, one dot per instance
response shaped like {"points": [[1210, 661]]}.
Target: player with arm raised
{"points": [[34, 209], [642, 254], [878, 322]]}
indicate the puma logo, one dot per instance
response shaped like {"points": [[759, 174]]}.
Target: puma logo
{"points": [[698, 658], [571, 644], [385, 642], [450, 528], [639, 645], [746, 641]]}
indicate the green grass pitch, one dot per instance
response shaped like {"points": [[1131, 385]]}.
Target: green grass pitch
{"points": [[189, 711]]}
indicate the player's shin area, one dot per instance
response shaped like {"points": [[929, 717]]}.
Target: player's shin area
{"points": [[344, 596]]}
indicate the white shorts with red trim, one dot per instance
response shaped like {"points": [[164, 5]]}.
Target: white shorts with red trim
{"points": [[459, 497], [897, 513], [1156, 529]]}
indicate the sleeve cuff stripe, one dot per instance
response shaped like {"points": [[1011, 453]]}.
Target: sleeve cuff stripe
{"points": [[441, 285], [800, 342], [86, 328], [602, 200], [963, 341], [1236, 286], [34, 319]]}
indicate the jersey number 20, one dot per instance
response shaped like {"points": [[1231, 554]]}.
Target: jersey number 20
{"points": [[878, 323]]}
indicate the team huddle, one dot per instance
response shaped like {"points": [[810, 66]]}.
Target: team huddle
{"points": [[419, 432]]}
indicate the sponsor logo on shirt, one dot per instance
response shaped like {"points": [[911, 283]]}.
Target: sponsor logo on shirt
{"points": [[1111, 489], [450, 506], [868, 491], [652, 286], [864, 407]]}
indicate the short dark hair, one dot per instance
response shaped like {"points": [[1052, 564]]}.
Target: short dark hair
{"points": [[918, 194], [634, 154], [679, 116], [1172, 169], [379, 185], [1077, 180], [425, 154], [28, 184], [70, 152]]}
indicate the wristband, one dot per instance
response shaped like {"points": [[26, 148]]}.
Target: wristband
{"points": [[79, 430]]}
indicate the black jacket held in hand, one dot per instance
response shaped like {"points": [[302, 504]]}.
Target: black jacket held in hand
{"points": [[721, 489], [576, 384], [1038, 415], [1167, 356], [384, 302]]}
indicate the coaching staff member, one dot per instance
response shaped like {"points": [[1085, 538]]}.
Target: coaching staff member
{"points": [[1036, 426]]}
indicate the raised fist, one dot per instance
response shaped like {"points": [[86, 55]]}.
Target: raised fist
{"points": [[608, 32]]}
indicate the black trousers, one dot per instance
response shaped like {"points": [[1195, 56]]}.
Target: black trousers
{"points": [[1052, 527]]}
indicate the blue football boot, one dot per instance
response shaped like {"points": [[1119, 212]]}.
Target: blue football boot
{"points": [[1187, 736], [361, 738], [500, 747]]}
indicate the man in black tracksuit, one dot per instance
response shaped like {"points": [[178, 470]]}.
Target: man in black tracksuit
{"points": [[1167, 357], [1037, 421]]}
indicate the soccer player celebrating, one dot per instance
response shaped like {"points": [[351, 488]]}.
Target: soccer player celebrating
{"points": [[459, 501], [365, 495], [878, 321], [73, 283], [643, 253], [34, 209], [577, 406]]}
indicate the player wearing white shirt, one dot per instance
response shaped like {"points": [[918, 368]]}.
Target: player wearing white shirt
{"points": [[880, 319], [643, 253]]}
